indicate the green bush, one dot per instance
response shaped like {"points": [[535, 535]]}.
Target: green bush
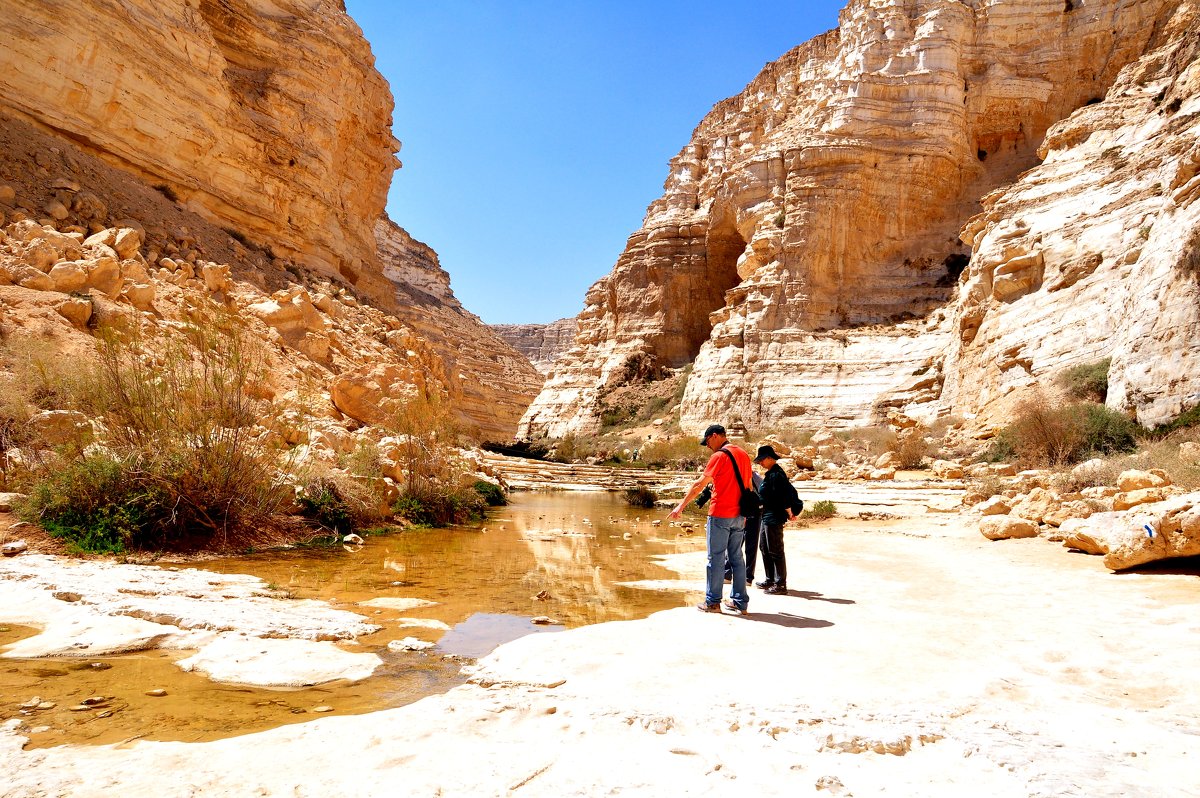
{"points": [[492, 493], [94, 505], [821, 509], [1058, 436], [440, 508], [640, 497], [1088, 382], [322, 504]]}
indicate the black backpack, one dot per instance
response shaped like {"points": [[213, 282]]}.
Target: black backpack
{"points": [[750, 503]]}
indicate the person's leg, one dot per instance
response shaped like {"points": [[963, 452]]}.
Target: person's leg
{"points": [[768, 562], [716, 534], [752, 530], [773, 552], [737, 534]]}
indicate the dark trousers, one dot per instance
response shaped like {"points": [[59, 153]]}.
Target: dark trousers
{"points": [[752, 531], [774, 564]]}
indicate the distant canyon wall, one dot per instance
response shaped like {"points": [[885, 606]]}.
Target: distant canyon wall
{"points": [[806, 253], [543, 345]]}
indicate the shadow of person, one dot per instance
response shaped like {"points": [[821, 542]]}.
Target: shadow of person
{"points": [[789, 620], [814, 596]]}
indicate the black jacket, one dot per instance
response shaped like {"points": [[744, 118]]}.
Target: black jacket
{"points": [[778, 495]]}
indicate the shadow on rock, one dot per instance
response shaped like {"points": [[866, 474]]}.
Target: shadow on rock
{"points": [[789, 620], [814, 596]]}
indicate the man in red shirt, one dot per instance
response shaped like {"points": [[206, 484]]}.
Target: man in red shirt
{"points": [[726, 529]]}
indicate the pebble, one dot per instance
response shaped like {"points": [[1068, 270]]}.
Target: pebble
{"points": [[99, 666], [105, 714], [95, 700], [156, 693], [544, 620], [47, 705], [14, 548], [80, 708], [323, 708], [32, 703]]}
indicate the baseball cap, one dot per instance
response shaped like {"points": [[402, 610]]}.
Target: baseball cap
{"points": [[713, 429]]}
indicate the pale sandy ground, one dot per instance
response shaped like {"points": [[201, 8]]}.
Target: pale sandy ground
{"points": [[914, 658]]}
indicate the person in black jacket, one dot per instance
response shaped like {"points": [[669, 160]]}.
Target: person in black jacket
{"points": [[780, 505]]}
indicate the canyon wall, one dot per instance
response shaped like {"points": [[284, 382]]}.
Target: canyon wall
{"points": [[256, 134], [491, 383], [806, 253], [265, 116], [541, 344]]}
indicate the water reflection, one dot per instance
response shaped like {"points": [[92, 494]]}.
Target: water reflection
{"points": [[548, 554]]}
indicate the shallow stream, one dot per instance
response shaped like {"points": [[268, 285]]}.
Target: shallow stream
{"points": [[571, 548]]}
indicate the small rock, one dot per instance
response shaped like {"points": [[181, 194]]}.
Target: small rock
{"points": [[66, 595], [76, 310], [353, 540], [56, 209], [32, 703], [544, 620], [80, 708], [1005, 527], [8, 500], [158, 692], [105, 714], [323, 708], [94, 701], [7, 194], [99, 666], [409, 644], [543, 595], [47, 705], [14, 548]]}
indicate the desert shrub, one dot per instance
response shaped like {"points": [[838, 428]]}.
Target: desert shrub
{"points": [[572, 448], [95, 504], [492, 493], [1189, 259], [820, 510], [910, 447], [873, 440], [439, 506], [684, 453], [323, 505], [990, 486], [640, 497], [1041, 435], [1088, 381], [181, 429]]}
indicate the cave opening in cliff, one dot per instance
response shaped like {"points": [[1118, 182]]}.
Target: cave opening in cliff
{"points": [[723, 246]]}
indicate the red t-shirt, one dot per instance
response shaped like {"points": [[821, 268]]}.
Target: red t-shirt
{"points": [[726, 493]]}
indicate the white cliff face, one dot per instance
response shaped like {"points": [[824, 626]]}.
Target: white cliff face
{"points": [[542, 344], [806, 254], [1095, 252]]}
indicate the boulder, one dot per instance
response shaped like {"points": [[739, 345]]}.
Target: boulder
{"points": [[996, 505], [1036, 504], [127, 242], [9, 500], [945, 469], [376, 394], [1080, 534], [69, 276], [104, 274], [57, 427], [1066, 511], [888, 460], [140, 295], [76, 310], [14, 548], [1005, 527], [1137, 480], [1159, 531], [1002, 470], [1133, 498]]}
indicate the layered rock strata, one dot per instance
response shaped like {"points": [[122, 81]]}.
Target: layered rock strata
{"points": [[1095, 253], [541, 344], [265, 117], [806, 253], [490, 383]]}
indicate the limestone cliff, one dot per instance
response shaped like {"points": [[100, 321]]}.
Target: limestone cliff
{"points": [[806, 253], [491, 383], [541, 344], [264, 116], [257, 137]]}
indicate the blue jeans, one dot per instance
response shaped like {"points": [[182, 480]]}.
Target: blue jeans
{"points": [[724, 537]]}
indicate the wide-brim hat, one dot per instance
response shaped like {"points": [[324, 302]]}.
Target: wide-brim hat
{"points": [[713, 429], [764, 452]]}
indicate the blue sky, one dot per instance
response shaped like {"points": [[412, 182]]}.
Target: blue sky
{"points": [[536, 132]]}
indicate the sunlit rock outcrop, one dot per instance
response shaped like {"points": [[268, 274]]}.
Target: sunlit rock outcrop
{"points": [[805, 254]]}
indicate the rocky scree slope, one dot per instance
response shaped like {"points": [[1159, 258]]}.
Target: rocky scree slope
{"points": [[806, 253]]}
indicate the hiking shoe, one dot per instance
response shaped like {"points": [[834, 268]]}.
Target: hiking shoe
{"points": [[776, 590], [735, 609], [705, 607], [765, 585]]}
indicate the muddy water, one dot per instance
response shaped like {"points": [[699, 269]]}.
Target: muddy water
{"points": [[571, 548]]}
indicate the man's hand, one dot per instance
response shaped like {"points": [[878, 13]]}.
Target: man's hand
{"points": [[674, 514]]}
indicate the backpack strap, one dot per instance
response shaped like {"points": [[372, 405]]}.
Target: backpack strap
{"points": [[736, 472]]}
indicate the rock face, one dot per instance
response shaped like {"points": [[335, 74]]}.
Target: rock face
{"points": [[806, 253], [489, 383], [541, 344], [264, 116]]}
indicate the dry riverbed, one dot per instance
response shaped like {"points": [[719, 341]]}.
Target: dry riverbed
{"points": [[912, 657]]}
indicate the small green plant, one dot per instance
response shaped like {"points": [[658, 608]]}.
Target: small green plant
{"points": [[1088, 381], [492, 493], [820, 510], [641, 497], [92, 504], [442, 507], [324, 506], [780, 219]]}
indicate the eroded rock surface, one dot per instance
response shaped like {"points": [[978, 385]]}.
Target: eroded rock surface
{"points": [[542, 344], [806, 253]]}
